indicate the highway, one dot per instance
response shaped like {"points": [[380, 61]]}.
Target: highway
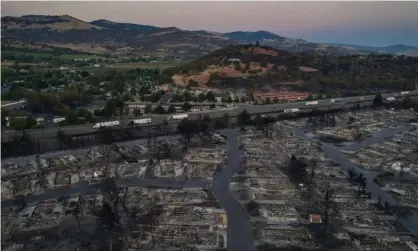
{"points": [[323, 104]]}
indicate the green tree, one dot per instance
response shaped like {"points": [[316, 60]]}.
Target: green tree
{"points": [[133, 92], [267, 101], [171, 109], [275, 100], [187, 96], [310, 96], [210, 97], [236, 100], [225, 120], [148, 109], [378, 99], [229, 99], [159, 110], [201, 97], [243, 118], [186, 106]]}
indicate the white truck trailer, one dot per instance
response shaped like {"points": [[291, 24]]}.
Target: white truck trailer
{"points": [[311, 103], [291, 110], [141, 121], [178, 116], [106, 124], [390, 99], [335, 100]]}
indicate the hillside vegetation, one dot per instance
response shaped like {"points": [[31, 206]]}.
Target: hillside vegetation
{"points": [[104, 37], [308, 70]]}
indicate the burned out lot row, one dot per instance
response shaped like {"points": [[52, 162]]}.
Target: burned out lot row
{"points": [[297, 196]]}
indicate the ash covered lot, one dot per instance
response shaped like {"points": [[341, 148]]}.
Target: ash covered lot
{"points": [[304, 190], [339, 182], [127, 196]]}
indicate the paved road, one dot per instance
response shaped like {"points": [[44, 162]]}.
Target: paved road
{"points": [[240, 237], [50, 194], [377, 193], [252, 109]]}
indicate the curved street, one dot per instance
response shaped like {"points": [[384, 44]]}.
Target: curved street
{"points": [[240, 237]]}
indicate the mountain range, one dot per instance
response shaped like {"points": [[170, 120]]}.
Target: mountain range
{"points": [[102, 36]]}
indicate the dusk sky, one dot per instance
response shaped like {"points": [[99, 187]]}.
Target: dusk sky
{"points": [[363, 23]]}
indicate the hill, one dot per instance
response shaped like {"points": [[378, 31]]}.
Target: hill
{"points": [[268, 68], [398, 49], [104, 37]]}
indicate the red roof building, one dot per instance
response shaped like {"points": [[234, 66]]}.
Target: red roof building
{"points": [[281, 96]]}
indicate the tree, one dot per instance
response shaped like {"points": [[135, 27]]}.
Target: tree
{"points": [[186, 106], [148, 109], [137, 112], [267, 101], [133, 92], [171, 109], [327, 204], [210, 97], [212, 105], [243, 118], [243, 99], [275, 100], [314, 165], [378, 99], [201, 97], [225, 120], [159, 110], [310, 96], [257, 44], [259, 122], [297, 170], [236, 100], [229, 99]]}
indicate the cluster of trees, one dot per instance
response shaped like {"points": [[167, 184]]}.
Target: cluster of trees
{"points": [[113, 107], [333, 75], [187, 97]]}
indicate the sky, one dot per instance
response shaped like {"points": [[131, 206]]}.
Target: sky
{"points": [[364, 23]]}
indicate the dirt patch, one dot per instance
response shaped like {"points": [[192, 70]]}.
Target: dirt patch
{"points": [[224, 71], [307, 69], [262, 51]]}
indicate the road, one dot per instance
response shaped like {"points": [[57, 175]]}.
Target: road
{"points": [[252, 109], [240, 237], [411, 223]]}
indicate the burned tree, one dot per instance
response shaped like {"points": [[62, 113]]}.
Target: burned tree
{"points": [[313, 165], [326, 204], [296, 170]]}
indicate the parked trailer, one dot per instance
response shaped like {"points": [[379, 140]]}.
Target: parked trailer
{"points": [[404, 93], [141, 121], [106, 124], [390, 99], [311, 103], [57, 120], [291, 110], [178, 116], [335, 100]]}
